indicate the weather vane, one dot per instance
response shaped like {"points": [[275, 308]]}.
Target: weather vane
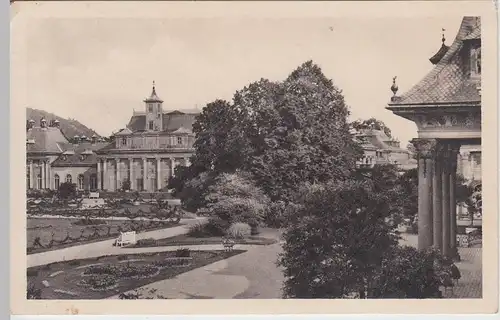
{"points": [[443, 39]]}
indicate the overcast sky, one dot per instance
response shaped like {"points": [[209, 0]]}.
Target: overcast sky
{"points": [[98, 70]]}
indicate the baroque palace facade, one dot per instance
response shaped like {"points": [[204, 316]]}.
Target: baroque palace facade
{"points": [[144, 153]]}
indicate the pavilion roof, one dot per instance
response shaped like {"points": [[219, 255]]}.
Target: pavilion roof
{"points": [[448, 82]]}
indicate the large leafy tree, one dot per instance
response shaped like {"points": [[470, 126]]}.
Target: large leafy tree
{"points": [[283, 133]]}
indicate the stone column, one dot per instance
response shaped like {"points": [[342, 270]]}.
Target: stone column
{"points": [[31, 173], [117, 164], [437, 219], [131, 173], [172, 167], [43, 175], [99, 173], [454, 150], [445, 174], [105, 174], [158, 180], [425, 148], [145, 173], [48, 176]]}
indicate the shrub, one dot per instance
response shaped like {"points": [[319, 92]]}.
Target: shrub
{"points": [[32, 273], [146, 242], [74, 263], [182, 253], [275, 215], [239, 230], [67, 190], [412, 274], [213, 228], [32, 292]]}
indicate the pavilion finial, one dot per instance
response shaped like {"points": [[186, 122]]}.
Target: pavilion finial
{"points": [[394, 87], [443, 39]]}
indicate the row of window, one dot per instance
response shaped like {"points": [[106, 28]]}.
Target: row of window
{"points": [[69, 179], [124, 139]]}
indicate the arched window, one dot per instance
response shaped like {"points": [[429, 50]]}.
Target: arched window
{"points": [[93, 182], [39, 181], [69, 179], [57, 182], [80, 182]]}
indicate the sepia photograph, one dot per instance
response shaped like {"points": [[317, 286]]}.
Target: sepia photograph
{"points": [[224, 157]]}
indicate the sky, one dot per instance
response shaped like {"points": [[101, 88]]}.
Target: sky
{"points": [[99, 70]]}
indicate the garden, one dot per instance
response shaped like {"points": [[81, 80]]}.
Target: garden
{"points": [[107, 276], [53, 225]]}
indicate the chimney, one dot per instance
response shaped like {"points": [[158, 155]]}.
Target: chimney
{"points": [[56, 123], [43, 123], [94, 138], [76, 139]]}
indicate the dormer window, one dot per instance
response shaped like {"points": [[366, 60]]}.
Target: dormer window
{"points": [[179, 140], [124, 141], [475, 60]]}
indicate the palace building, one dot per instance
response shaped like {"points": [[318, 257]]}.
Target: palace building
{"points": [[144, 154], [379, 148], [446, 107]]}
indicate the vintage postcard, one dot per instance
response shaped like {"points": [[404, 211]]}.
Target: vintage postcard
{"points": [[294, 157]]}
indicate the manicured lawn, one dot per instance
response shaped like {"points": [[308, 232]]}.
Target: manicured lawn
{"points": [[103, 277], [186, 240], [57, 229]]}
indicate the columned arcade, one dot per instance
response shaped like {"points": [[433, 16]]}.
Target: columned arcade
{"points": [[446, 108], [143, 173]]}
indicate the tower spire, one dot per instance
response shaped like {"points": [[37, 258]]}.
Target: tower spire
{"points": [[443, 39]]}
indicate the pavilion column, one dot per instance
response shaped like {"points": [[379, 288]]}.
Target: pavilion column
{"points": [[43, 175], [99, 173], [31, 174], [105, 174], [425, 149], [454, 151], [117, 164], [131, 173], [437, 219], [445, 176], [172, 166], [145, 173], [158, 180]]}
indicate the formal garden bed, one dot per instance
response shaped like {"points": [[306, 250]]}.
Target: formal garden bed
{"points": [[106, 276], [55, 233], [186, 240]]}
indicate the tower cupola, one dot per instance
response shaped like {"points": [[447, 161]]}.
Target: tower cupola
{"points": [[154, 111]]}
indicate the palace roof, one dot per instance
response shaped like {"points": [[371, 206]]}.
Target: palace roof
{"points": [[82, 154], [45, 140], [448, 82], [172, 121], [371, 139]]}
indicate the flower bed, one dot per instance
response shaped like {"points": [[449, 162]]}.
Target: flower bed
{"points": [[106, 276], [55, 233], [185, 240]]}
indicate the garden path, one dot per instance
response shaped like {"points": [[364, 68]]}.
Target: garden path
{"points": [[106, 247], [252, 274]]}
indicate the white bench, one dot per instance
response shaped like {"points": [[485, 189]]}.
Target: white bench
{"points": [[126, 238]]}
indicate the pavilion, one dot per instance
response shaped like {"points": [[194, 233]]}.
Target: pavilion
{"points": [[446, 107]]}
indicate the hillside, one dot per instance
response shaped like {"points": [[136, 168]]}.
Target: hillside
{"points": [[69, 127]]}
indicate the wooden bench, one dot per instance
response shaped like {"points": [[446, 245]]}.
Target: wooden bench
{"points": [[228, 244], [126, 238]]}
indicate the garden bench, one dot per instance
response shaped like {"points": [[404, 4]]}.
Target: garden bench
{"points": [[126, 238], [228, 244]]}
